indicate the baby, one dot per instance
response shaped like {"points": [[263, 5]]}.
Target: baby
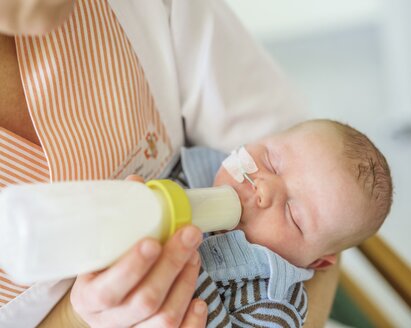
{"points": [[318, 188], [307, 194]]}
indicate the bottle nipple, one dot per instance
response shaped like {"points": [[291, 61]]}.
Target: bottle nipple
{"points": [[215, 208]]}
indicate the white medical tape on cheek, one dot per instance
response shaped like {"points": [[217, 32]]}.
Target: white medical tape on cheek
{"points": [[246, 161], [240, 163], [231, 164]]}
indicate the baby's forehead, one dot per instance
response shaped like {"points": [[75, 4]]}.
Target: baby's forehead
{"points": [[310, 134], [317, 127]]}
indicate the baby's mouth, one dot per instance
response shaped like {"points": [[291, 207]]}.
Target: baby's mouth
{"points": [[245, 190], [246, 194]]}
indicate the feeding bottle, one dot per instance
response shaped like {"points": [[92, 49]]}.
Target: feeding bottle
{"points": [[59, 230]]}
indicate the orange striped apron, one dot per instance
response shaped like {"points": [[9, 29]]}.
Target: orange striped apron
{"points": [[91, 107]]}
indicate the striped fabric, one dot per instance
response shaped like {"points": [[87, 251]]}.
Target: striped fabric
{"points": [[248, 285], [244, 303], [8, 289], [20, 162], [89, 100], [91, 106]]}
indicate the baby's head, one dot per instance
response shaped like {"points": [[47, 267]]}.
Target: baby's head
{"points": [[320, 187]]}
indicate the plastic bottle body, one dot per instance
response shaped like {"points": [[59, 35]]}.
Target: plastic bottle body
{"points": [[55, 231], [73, 228]]}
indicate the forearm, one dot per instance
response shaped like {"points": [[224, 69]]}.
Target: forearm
{"points": [[321, 291], [63, 315]]}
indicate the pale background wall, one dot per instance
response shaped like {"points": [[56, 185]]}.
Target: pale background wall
{"points": [[351, 61]]}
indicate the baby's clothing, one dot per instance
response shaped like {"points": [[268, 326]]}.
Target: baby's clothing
{"points": [[244, 285], [249, 285]]}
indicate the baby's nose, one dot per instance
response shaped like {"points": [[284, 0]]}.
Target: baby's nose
{"points": [[265, 195], [268, 191]]}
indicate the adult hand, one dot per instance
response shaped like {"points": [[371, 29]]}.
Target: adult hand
{"points": [[150, 286], [32, 16]]}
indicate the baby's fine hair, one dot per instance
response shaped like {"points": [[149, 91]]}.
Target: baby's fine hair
{"points": [[370, 168]]}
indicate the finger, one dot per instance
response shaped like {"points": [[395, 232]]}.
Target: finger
{"points": [[196, 315], [172, 313], [108, 288], [136, 178], [172, 262], [150, 294]]}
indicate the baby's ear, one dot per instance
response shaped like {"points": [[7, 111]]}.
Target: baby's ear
{"points": [[323, 262]]}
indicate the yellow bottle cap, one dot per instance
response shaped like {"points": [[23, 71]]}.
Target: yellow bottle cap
{"points": [[176, 201]]}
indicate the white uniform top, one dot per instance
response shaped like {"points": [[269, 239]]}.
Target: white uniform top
{"points": [[195, 61], [201, 63]]}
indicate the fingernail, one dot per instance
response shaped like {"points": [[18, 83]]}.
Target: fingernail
{"points": [[195, 259], [199, 308], [190, 237], [149, 249]]}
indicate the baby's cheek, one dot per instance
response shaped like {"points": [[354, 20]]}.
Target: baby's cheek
{"points": [[222, 177]]}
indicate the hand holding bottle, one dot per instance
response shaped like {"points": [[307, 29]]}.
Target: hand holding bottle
{"points": [[151, 286]]}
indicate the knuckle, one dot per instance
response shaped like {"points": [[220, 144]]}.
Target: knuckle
{"points": [[168, 320], [188, 284], [148, 304], [176, 261], [104, 298], [129, 268]]}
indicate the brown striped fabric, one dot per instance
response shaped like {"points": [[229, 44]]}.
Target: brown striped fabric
{"points": [[252, 309], [295, 293], [244, 303], [233, 294], [270, 319], [214, 314], [256, 289]]}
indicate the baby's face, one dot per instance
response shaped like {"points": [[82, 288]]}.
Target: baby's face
{"points": [[306, 204]]}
